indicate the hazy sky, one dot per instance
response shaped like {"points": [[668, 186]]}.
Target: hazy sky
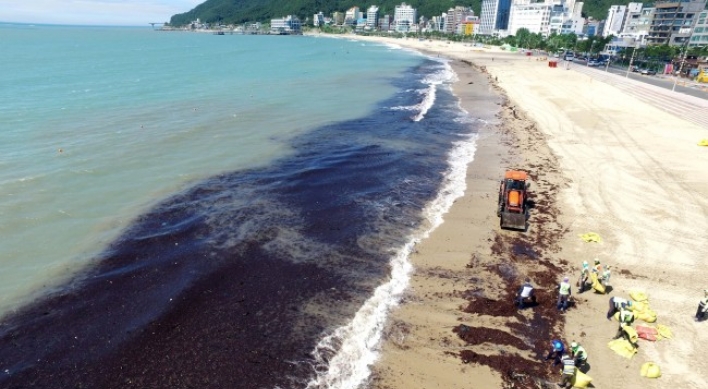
{"points": [[93, 12]]}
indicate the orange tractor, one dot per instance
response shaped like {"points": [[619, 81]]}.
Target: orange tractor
{"points": [[512, 210]]}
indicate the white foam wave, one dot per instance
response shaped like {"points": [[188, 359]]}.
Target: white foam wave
{"points": [[344, 358], [445, 76]]}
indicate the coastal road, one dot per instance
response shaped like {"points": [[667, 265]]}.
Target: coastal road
{"points": [[682, 86], [683, 102]]}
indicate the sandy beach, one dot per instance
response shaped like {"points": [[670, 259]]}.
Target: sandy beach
{"points": [[601, 160]]}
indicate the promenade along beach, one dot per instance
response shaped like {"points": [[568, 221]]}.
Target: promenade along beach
{"points": [[188, 210]]}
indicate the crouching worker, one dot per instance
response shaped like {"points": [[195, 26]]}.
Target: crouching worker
{"points": [[525, 295], [557, 351], [702, 310], [580, 356], [617, 304], [568, 372], [626, 318]]}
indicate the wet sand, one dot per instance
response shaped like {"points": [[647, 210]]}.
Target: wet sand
{"points": [[600, 161]]}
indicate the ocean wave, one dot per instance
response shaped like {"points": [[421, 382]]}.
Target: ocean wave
{"points": [[443, 76], [344, 357]]}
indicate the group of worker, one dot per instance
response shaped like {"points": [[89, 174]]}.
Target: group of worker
{"points": [[603, 275], [576, 357], [571, 359]]}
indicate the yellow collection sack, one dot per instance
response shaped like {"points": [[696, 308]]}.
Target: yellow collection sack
{"points": [[632, 333], [639, 306], [582, 380], [596, 284], [638, 295], [591, 237], [703, 142], [647, 316], [622, 347], [650, 370], [664, 331]]}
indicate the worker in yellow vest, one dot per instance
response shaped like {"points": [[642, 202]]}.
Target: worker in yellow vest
{"points": [[617, 304], [626, 318], [564, 293], [702, 310], [580, 356]]}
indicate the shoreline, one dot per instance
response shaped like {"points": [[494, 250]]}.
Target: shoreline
{"points": [[594, 153]]}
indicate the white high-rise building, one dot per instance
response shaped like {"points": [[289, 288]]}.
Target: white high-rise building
{"points": [[372, 17], [550, 16], [534, 17], [404, 18], [351, 16], [614, 21]]}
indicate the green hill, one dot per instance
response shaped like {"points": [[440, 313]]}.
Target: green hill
{"points": [[243, 11]]}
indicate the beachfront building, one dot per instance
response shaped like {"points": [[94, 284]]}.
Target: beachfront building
{"points": [[404, 18], [615, 18], [352, 15], [699, 37], [534, 17], [455, 17], [436, 23], [386, 23], [469, 27], [318, 19], [592, 27], [494, 16], [289, 25], [673, 22], [636, 23], [338, 18], [566, 18], [372, 17]]}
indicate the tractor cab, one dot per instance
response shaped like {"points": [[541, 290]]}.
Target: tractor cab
{"points": [[512, 200]]}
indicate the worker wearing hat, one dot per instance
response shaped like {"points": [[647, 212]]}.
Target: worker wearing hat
{"points": [[626, 318], [580, 356], [616, 304], [605, 276], [557, 350], [563, 294], [702, 310], [584, 280], [597, 268]]}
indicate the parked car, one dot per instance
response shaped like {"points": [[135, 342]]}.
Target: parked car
{"points": [[593, 62], [648, 72], [636, 69]]}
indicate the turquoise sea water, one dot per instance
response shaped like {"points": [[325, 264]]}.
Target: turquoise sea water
{"points": [[214, 211], [100, 123]]}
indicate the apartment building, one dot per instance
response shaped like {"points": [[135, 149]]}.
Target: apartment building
{"points": [[455, 17], [699, 37], [494, 16], [372, 17], [636, 23], [673, 21], [404, 18], [534, 17], [615, 20]]}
